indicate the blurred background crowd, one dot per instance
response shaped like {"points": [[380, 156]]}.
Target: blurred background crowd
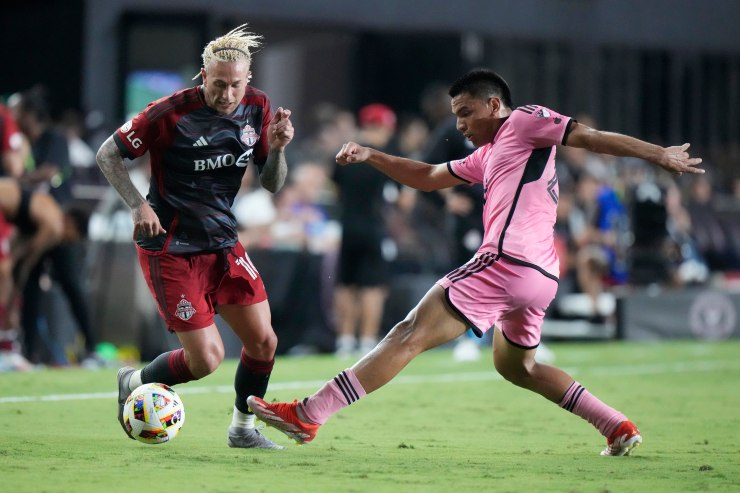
{"points": [[621, 225]]}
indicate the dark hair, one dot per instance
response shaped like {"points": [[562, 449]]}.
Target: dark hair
{"points": [[35, 101], [482, 84]]}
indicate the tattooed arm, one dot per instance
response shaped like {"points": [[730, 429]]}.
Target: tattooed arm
{"points": [[110, 161], [280, 133]]}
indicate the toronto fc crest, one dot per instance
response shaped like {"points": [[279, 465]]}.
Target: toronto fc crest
{"points": [[185, 309], [249, 136]]}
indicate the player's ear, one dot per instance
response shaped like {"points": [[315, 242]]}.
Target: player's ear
{"points": [[203, 74], [494, 104]]}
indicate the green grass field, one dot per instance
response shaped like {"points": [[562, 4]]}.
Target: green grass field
{"points": [[440, 426]]}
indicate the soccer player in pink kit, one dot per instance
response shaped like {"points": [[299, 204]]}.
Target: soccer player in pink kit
{"points": [[201, 140], [509, 283]]}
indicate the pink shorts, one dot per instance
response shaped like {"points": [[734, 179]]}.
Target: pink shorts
{"points": [[489, 290], [187, 288]]}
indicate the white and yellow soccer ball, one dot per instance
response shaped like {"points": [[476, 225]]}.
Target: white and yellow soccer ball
{"points": [[153, 413]]}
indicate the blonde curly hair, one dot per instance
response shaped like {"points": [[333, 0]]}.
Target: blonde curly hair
{"points": [[233, 46]]}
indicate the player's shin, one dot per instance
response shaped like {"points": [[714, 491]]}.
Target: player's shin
{"points": [[336, 394]]}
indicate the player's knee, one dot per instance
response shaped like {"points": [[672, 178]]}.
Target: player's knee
{"points": [[263, 345], [407, 334], [517, 372], [206, 361]]}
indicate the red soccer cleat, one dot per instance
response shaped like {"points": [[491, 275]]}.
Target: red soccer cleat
{"points": [[283, 416], [624, 440]]}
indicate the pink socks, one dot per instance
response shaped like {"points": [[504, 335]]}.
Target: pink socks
{"points": [[579, 401], [333, 396]]}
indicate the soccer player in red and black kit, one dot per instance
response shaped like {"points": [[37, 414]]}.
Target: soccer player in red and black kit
{"points": [[200, 140]]}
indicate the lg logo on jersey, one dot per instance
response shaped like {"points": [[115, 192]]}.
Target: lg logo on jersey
{"points": [[225, 160], [135, 141]]}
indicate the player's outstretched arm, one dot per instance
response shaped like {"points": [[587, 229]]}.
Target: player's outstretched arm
{"points": [[674, 159], [415, 174]]}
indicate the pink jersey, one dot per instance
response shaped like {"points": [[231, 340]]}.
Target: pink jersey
{"points": [[517, 170]]}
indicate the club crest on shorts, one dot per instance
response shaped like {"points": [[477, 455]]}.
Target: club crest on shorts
{"points": [[185, 310], [249, 136]]}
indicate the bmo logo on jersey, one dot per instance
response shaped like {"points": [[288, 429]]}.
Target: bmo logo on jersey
{"points": [[223, 161]]}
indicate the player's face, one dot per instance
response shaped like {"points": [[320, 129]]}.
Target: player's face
{"points": [[476, 118], [224, 84]]}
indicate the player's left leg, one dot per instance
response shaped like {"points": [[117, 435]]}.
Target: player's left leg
{"points": [[201, 353], [252, 324], [518, 365]]}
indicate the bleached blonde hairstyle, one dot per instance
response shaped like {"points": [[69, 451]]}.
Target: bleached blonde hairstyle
{"points": [[233, 46]]}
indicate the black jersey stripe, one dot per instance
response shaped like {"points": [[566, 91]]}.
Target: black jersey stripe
{"points": [[568, 130], [485, 260], [524, 110], [449, 168], [464, 268], [535, 164]]}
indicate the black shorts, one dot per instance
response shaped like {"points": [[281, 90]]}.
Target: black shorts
{"points": [[361, 263]]}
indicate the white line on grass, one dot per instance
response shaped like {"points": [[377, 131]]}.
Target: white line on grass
{"points": [[656, 368]]}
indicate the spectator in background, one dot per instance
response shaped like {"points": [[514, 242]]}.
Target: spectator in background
{"points": [[363, 270], [412, 250], [598, 229], [687, 264], [302, 222], [51, 172], [330, 126], [254, 211], [81, 155], [11, 165], [51, 169], [710, 234], [39, 222], [11, 145]]}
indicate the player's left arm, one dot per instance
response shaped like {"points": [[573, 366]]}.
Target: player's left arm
{"points": [[674, 159], [279, 134]]}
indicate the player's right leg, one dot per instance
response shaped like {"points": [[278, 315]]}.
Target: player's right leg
{"points": [[430, 324]]}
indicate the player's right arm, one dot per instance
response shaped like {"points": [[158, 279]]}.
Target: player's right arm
{"points": [[110, 161], [415, 174]]}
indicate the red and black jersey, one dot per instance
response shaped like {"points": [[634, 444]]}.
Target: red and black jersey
{"points": [[198, 157]]}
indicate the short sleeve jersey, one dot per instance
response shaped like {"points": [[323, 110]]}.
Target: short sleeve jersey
{"points": [[517, 170], [198, 157]]}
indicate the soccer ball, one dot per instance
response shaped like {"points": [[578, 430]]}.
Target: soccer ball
{"points": [[153, 413]]}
